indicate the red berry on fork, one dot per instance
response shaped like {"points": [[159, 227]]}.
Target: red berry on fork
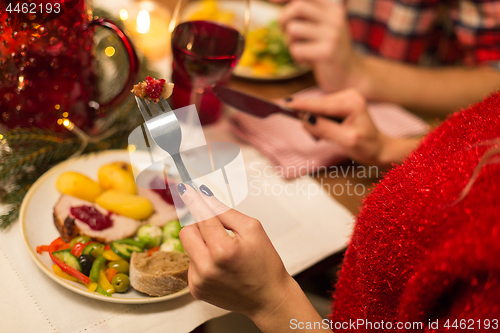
{"points": [[154, 88]]}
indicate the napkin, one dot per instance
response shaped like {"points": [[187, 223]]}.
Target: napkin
{"points": [[291, 148]]}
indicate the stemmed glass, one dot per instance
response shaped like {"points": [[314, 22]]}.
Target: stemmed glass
{"points": [[208, 38]]}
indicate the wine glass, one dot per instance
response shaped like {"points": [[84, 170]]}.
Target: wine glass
{"points": [[208, 38]]}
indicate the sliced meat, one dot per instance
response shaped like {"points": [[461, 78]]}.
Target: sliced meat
{"points": [[164, 211], [69, 226]]}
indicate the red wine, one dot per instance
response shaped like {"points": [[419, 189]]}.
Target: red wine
{"points": [[206, 51]]}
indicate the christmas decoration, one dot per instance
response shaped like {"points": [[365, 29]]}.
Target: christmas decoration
{"points": [[27, 152]]}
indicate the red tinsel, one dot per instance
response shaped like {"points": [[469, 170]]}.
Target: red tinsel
{"points": [[418, 254]]}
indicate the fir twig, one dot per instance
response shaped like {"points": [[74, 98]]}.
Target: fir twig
{"points": [[10, 217]]}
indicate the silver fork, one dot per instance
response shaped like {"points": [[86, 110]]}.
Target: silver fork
{"points": [[165, 130]]}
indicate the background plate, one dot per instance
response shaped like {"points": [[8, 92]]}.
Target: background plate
{"points": [[261, 14]]}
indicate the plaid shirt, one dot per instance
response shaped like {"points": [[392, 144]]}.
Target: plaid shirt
{"points": [[428, 31]]}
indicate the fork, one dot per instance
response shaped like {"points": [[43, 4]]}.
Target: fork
{"points": [[165, 130]]}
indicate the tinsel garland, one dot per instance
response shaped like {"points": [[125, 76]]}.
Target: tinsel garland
{"points": [[26, 153]]}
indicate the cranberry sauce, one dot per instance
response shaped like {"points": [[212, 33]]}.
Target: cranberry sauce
{"points": [[90, 215], [165, 194]]}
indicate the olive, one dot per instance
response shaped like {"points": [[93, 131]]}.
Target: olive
{"points": [[121, 282], [86, 262], [121, 266], [80, 239], [97, 250]]}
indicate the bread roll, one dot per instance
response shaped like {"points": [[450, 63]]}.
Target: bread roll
{"points": [[163, 273]]}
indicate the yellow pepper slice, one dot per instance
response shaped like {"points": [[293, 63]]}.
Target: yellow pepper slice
{"points": [[92, 287], [111, 256], [104, 283], [62, 274]]}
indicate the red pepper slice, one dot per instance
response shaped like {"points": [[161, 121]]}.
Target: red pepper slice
{"points": [[64, 247], [78, 249], [57, 244], [107, 247], [42, 248], [152, 250]]}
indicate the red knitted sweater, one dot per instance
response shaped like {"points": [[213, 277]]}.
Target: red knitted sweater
{"points": [[418, 255]]}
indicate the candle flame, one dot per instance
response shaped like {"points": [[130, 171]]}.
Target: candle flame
{"points": [[143, 22]]}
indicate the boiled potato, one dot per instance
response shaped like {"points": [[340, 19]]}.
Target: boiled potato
{"points": [[78, 185], [124, 165], [125, 204], [114, 177]]}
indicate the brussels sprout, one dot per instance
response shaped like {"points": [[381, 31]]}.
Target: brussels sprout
{"points": [[172, 245], [150, 235], [171, 229]]}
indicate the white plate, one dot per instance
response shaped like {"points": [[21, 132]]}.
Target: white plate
{"points": [[37, 226], [261, 14]]}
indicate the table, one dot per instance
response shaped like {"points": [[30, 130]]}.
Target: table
{"points": [[283, 89]]}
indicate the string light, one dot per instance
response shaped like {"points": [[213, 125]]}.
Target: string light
{"points": [[123, 14]]}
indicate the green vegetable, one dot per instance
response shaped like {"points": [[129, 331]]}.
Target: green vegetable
{"points": [[130, 241], [80, 239], [94, 249], [150, 235], [96, 267], [120, 282], [102, 291], [171, 230], [121, 266], [67, 258], [125, 250], [172, 245]]}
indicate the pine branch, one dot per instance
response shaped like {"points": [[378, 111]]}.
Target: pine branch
{"points": [[25, 148], [10, 217]]}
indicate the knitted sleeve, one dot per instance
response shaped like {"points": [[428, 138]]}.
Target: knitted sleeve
{"points": [[457, 284]]}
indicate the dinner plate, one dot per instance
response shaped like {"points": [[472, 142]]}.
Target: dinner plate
{"points": [[261, 14], [38, 228]]}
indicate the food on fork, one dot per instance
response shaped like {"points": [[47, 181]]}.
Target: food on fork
{"points": [[153, 89]]}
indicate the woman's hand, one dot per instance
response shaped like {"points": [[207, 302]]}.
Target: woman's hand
{"points": [[318, 35], [241, 273], [357, 134]]}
